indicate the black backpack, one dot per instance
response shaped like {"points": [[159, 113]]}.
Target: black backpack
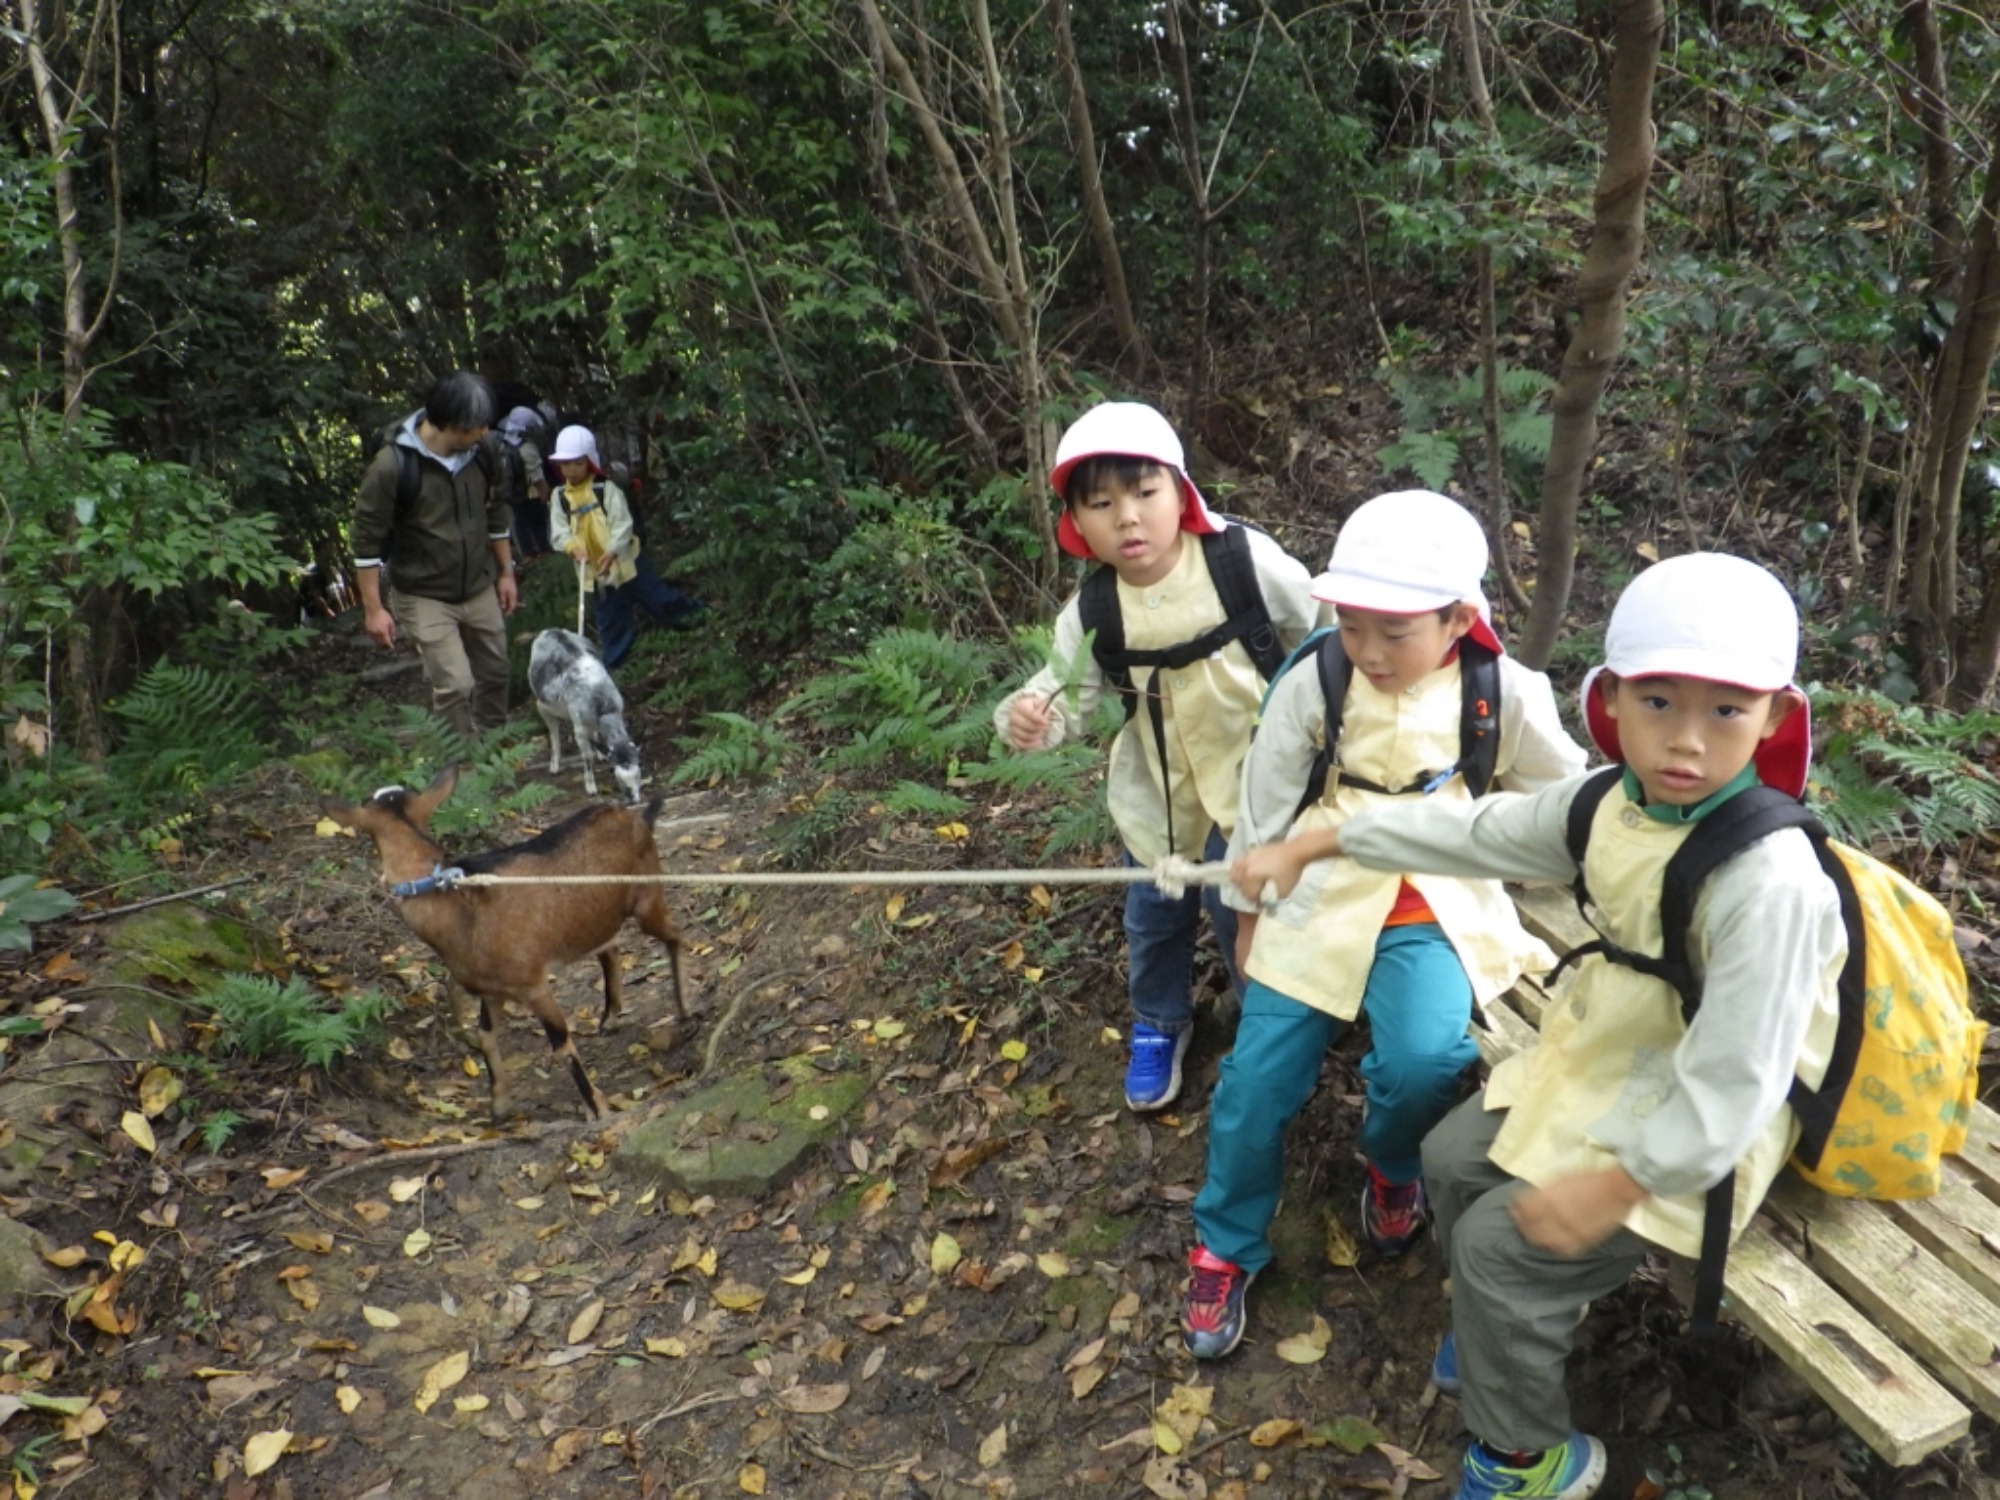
{"points": [[489, 455], [1246, 618], [1478, 720]]}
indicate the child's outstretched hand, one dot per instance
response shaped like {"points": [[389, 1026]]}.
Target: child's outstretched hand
{"points": [[1576, 1213], [1027, 722]]}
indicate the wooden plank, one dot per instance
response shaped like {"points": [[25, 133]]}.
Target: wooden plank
{"points": [[1910, 1293], [1982, 1149], [1961, 1226], [1504, 1033], [1549, 912], [1890, 1401]]}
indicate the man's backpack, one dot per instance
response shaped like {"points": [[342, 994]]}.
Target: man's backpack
{"points": [[409, 472], [1245, 617], [1478, 720], [1899, 1088]]}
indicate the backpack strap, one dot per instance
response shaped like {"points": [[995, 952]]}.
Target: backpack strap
{"points": [[1245, 618], [1753, 814], [1478, 723]]}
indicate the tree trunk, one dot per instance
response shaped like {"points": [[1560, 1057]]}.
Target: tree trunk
{"points": [[1619, 234], [1933, 119], [1190, 144], [1131, 346]]}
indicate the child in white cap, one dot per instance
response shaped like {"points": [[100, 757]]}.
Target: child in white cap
{"points": [[1187, 635], [1432, 709], [590, 519], [1594, 1146]]}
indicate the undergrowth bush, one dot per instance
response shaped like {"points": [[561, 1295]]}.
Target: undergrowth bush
{"points": [[1892, 771], [257, 1017]]}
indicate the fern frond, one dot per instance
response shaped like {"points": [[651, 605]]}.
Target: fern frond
{"points": [[912, 799]]}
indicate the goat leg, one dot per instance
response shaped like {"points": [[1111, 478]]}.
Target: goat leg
{"points": [[542, 1002], [614, 986], [657, 921], [489, 1047]]}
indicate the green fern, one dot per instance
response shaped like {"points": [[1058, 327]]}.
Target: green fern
{"points": [[912, 799], [186, 728], [735, 747], [257, 1017], [1431, 456], [1891, 769]]}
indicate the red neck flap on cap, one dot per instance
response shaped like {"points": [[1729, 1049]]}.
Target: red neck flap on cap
{"points": [[1783, 762]]}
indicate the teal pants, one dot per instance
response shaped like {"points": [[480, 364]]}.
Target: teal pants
{"points": [[1418, 1003]]}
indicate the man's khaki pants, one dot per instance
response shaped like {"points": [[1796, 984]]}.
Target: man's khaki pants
{"points": [[464, 651]]}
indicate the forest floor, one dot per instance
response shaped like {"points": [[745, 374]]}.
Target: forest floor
{"points": [[970, 1288]]}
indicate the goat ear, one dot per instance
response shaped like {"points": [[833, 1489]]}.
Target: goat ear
{"points": [[420, 807], [342, 813]]}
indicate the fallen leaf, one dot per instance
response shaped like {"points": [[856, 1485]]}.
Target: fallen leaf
{"points": [[1307, 1348], [1172, 1479], [263, 1450], [670, 1348], [317, 1241], [953, 832], [1053, 1264], [1349, 1434], [1085, 1380], [403, 1189], [993, 1447], [470, 1403], [1270, 1434], [1648, 551], [1014, 1050], [442, 1376], [1409, 1464], [889, 1030], [892, 909], [1085, 1355], [140, 1130], [380, 1317], [737, 1296], [159, 1088], [1340, 1247], [326, 828], [945, 1254], [1013, 956], [277, 1179], [347, 1398], [69, 1255], [584, 1324], [814, 1399], [750, 1478], [1184, 1410], [800, 1278], [371, 1211], [416, 1242]]}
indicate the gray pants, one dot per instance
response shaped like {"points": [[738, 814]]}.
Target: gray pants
{"points": [[1514, 1308], [464, 651]]}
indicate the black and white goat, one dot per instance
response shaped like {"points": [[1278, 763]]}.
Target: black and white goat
{"points": [[571, 687]]}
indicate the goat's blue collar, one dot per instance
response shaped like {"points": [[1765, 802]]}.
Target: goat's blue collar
{"points": [[439, 879]]}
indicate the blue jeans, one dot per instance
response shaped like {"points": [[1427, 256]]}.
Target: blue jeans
{"points": [[1418, 1004], [666, 605], [1159, 944]]}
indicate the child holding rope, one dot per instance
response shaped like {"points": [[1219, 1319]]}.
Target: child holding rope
{"points": [[1412, 698], [590, 519], [1585, 1151], [1191, 631]]}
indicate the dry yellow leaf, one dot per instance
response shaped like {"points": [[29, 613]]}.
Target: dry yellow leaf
{"points": [[527, 1205], [140, 1129], [347, 1398], [584, 1324], [403, 1189], [316, 1241], [304, 1292], [892, 909], [1166, 1439], [993, 1447], [158, 1089], [1270, 1434], [954, 832], [1340, 1247], [945, 1254], [69, 1255], [442, 1376], [470, 1403], [875, 1197], [1053, 1264], [263, 1450], [416, 1242], [1085, 1380], [1013, 956], [737, 1296], [801, 1278], [126, 1256], [671, 1348], [1039, 894], [380, 1317], [1307, 1348], [750, 1479], [326, 828], [277, 1179], [371, 1211], [814, 1400]]}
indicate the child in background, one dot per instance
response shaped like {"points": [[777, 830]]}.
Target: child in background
{"points": [[1415, 952], [1594, 1146], [591, 521], [1188, 653]]}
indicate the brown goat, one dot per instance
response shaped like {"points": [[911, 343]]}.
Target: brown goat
{"points": [[498, 941]]}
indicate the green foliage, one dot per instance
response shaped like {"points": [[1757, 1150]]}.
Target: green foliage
{"points": [[913, 799], [186, 728], [217, 1129], [736, 747], [256, 1017], [912, 701], [21, 903], [1892, 770], [1443, 423]]}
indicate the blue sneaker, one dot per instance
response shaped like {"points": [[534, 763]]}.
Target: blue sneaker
{"points": [[1212, 1321], [1571, 1472], [1444, 1369], [1153, 1072]]}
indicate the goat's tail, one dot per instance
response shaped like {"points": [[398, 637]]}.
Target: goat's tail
{"points": [[653, 810]]}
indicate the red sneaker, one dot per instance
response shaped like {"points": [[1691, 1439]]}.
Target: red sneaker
{"points": [[1212, 1322], [1393, 1214]]}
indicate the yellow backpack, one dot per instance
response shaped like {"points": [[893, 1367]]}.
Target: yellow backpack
{"points": [[1899, 1088]]}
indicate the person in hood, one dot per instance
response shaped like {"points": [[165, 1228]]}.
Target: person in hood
{"points": [[1585, 1152], [1414, 952], [1163, 561], [447, 549], [591, 520], [521, 436]]}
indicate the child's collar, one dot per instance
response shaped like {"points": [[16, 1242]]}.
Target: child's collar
{"points": [[1668, 812]]}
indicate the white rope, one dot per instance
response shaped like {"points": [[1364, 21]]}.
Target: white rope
{"points": [[1173, 875]]}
